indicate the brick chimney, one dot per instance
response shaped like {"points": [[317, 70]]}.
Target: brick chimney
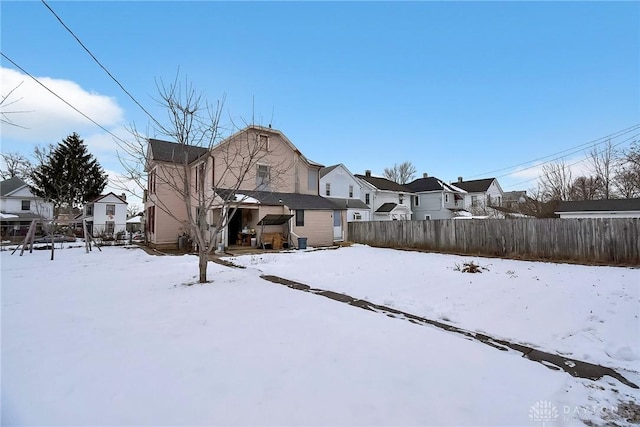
{"points": [[124, 197], [425, 175], [459, 179], [367, 172]]}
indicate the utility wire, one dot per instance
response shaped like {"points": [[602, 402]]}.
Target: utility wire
{"points": [[569, 165], [62, 99], [100, 64], [568, 151]]}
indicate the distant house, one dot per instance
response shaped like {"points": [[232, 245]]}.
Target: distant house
{"points": [[435, 199], [389, 200], [513, 199], [612, 208], [339, 185], [481, 193], [19, 206], [106, 215]]}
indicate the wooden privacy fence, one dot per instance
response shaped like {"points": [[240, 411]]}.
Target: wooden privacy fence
{"points": [[599, 240]]}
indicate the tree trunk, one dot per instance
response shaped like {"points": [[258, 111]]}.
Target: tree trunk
{"points": [[203, 261]]}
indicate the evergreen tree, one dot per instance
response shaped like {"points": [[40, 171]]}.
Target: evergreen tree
{"points": [[69, 176]]}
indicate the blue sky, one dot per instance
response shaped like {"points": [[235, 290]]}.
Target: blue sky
{"points": [[457, 88]]}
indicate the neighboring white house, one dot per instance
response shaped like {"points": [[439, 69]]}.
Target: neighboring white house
{"points": [[481, 193], [339, 185], [435, 199], [612, 208], [388, 200], [19, 206], [106, 215]]}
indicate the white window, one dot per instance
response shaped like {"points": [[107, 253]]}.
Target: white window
{"points": [[427, 217], [474, 200], [401, 198], [357, 216], [350, 191], [327, 188], [416, 200], [367, 199], [26, 205], [109, 227], [312, 178], [263, 175], [446, 197], [111, 209]]}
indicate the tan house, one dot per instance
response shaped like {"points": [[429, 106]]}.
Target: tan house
{"points": [[261, 180]]}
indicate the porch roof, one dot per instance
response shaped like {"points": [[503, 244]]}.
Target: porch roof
{"points": [[291, 200]]}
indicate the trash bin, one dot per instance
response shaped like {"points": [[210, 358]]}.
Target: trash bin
{"points": [[302, 243], [254, 242], [182, 242]]}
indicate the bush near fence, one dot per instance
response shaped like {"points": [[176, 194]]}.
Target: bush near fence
{"points": [[600, 240]]}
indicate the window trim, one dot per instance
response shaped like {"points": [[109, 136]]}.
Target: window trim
{"points": [[327, 189], [28, 205], [299, 217], [107, 209], [367, 199], [351, 191]]}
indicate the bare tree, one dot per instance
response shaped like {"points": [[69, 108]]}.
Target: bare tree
{"points": [[133, 210], [402, 173], [555, 181], [586, 188], [15, 165], [603, 162], [627, 178], [5, 111], [211, 176]]}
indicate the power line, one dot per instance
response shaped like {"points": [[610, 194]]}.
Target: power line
{"points": [[569, 165], [568, 152], [62, 99], [100, 64]]}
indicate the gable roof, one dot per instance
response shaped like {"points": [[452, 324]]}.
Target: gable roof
{"points": [[432, 184], [599, 205], [165, 151], [475, 186], [10, 185], [291, 200], [328, 169], [102, 196], [173, 152], [383, 183]]}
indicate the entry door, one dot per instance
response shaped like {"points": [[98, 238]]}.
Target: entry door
{"points": [[337, 226]]}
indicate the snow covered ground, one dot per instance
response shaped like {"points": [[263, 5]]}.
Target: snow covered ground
{"points": [[118, 338]]}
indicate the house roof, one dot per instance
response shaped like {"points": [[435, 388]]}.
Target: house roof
{"points": [[291, 200], [328, 169], [383, 183], [19, 216], [599, 205], [387, 207], [513, 195], [347, 203], [102, 196], [10, 185], [431, 184], [475, 186], [173, 152]]}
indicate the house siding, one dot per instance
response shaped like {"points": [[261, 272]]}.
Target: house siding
{"points": [[315, 227], [13, 204], [100, 216]]}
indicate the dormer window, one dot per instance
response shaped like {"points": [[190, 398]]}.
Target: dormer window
{"points": [[401, 198]]}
